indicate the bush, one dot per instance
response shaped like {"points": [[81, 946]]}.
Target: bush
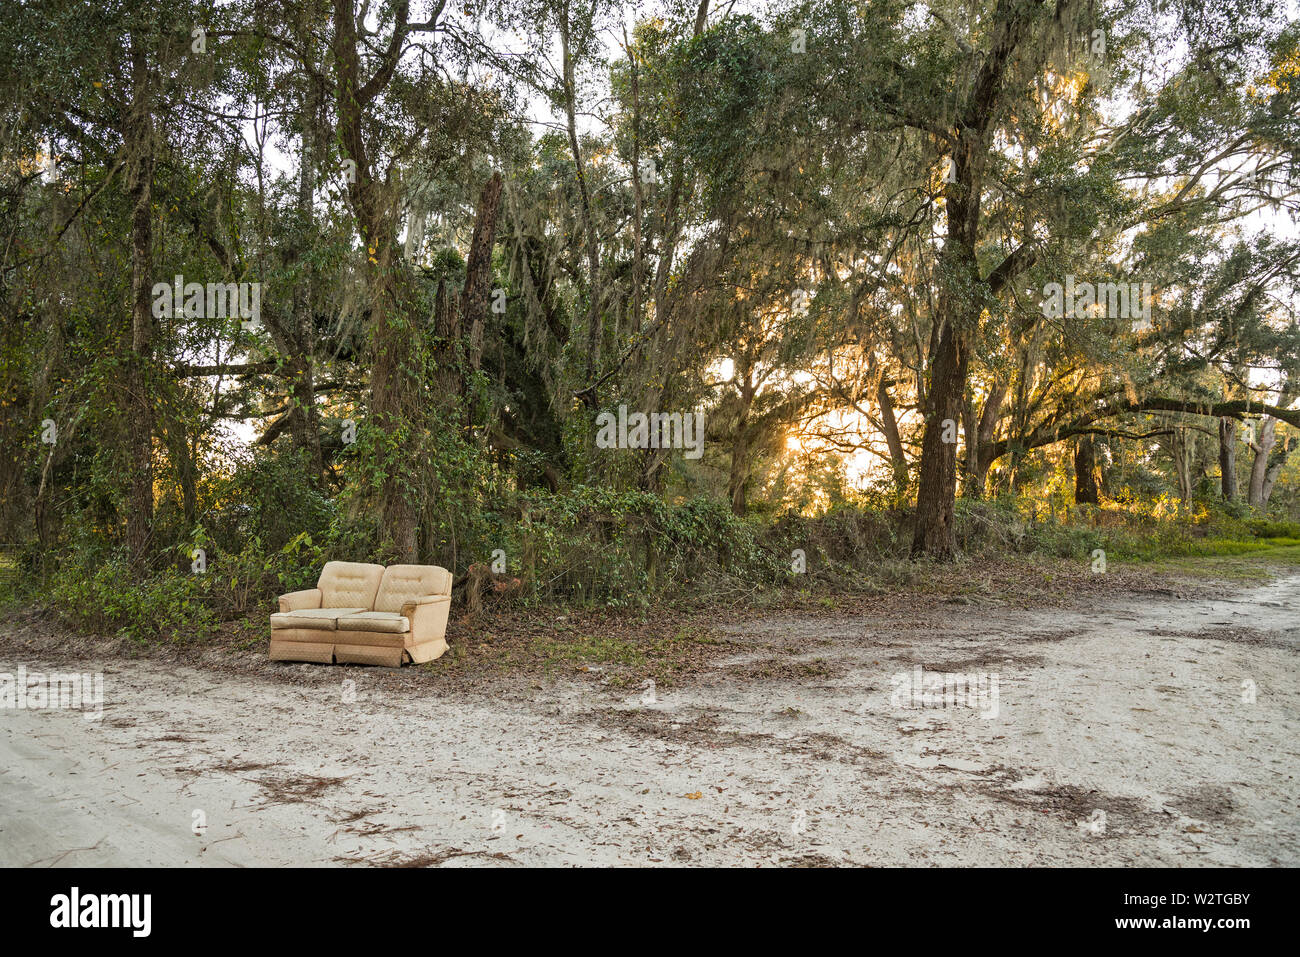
{"points": [[599, 544], [106, 597], [104, 593], [267, 500], [1263, 528], [585, 545]]}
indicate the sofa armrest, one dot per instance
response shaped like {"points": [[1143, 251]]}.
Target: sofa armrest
{"points": [[309, 598], [428, 617], [409, 606]]}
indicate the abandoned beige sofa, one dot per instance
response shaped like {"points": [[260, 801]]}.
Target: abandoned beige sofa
{"points": [[365, 614]]}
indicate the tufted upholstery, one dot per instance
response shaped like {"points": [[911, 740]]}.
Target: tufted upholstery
{"points": [[403, 583], [349, 584]]}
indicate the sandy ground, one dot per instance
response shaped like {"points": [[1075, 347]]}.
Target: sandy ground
{"points": [[1124, 735]]}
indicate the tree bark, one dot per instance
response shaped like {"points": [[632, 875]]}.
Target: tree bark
{"points": [[478, 268], [701, 17], [1276, 462], [889, 423], [140, 171], [1228, 459], [935, 533], [304, 418], [1085, 472], [1259, 467]]}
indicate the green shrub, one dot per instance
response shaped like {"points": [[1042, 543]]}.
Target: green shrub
{"points": [[107, 598], [584, 545], [618, 547], [1263, 528]]}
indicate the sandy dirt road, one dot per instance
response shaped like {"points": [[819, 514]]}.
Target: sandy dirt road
{"points": [[1124, 735]]}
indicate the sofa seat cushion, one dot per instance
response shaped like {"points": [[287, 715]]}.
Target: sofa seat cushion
{"points": [[317, 618], [383, 621]]}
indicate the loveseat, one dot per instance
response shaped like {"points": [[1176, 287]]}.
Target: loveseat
{"points": [[365, 614]]}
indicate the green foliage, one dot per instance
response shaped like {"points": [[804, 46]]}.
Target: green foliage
{"points": [[102, 592], [108, 597], [621, 548], [777, 169], [268, 499], [1263, 528]]}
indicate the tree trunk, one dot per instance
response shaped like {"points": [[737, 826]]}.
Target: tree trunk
{"points": [[446, 327], [140, 169], [962, 297], [738, 481], [936, 497], [1259, 468], [897, 457], [1105, 466], [304, 418], [701, 17], [478, 269], [584, 199], [1085, 472], [394, 385], [1276, 463], [739, 477], [969, 461], [936, 534], [1228, 459], [392, 403], [1184, 446], [982, 455]]}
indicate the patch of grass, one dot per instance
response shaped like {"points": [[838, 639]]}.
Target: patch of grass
{"points": [[696, 636], [1249, 564], [1155, 551], [588, 649]]}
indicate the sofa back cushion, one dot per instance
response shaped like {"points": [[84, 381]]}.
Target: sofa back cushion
{"points": [[404, 582], [349, 584]]}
